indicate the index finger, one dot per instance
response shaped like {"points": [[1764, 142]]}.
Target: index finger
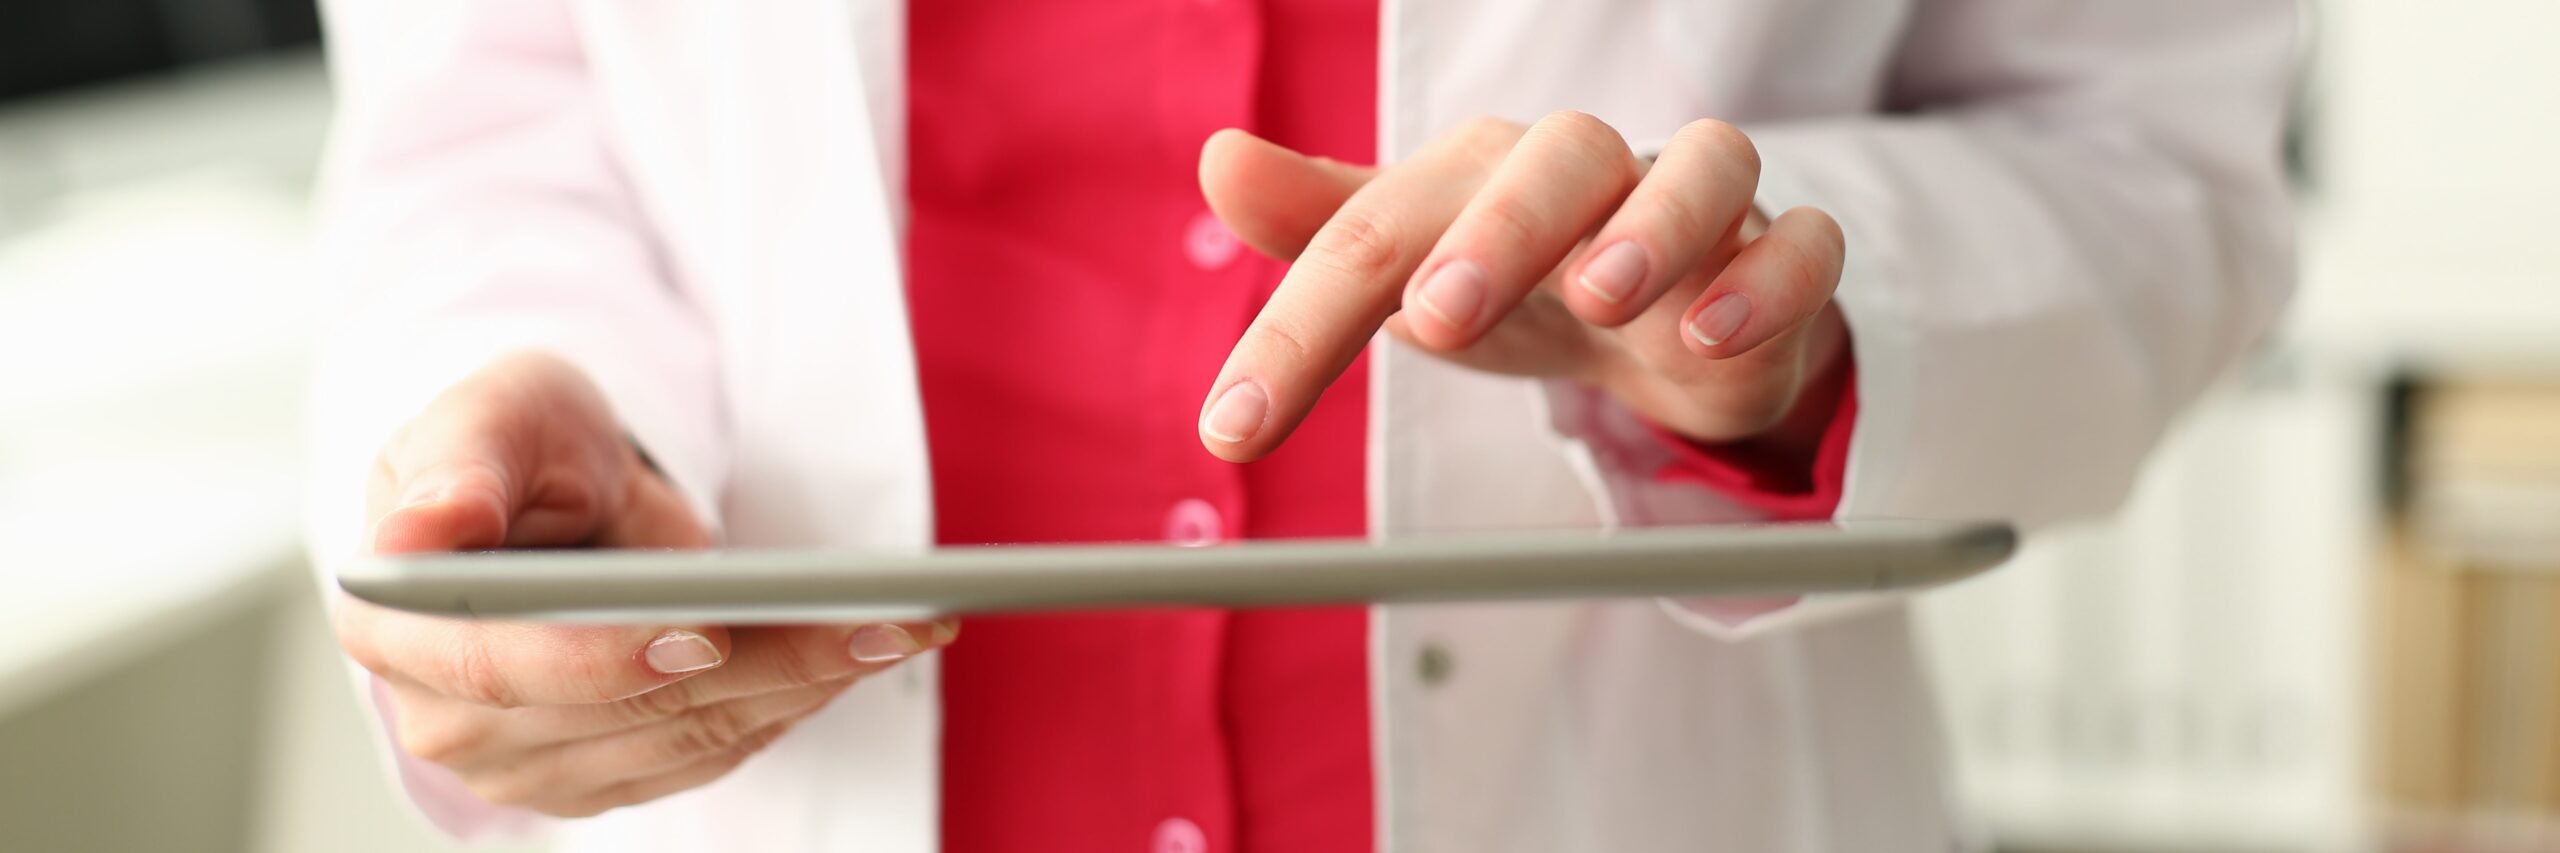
{"points": [[1338, 293], [511, 664]]}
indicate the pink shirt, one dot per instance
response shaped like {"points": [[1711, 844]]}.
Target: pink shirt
{"points": [[1072, 299]]}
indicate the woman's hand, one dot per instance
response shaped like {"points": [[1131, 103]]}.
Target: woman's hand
{"points": [[573, 720], [1549, 251]]}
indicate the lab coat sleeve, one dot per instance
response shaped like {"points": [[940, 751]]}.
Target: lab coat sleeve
{"points": [[2071, 217], [472, 209]]}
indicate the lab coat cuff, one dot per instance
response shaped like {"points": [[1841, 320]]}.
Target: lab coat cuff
{"points": [[1619, 458]]}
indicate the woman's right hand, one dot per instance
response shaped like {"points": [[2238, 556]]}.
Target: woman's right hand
{"points": [[572, 720]]}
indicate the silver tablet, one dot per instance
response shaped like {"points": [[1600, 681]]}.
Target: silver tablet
{"points": [[763, 586]]}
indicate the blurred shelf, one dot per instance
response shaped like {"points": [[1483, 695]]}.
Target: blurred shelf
{"points": [[2480, 832]]}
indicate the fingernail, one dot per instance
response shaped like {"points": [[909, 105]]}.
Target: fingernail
{"points": [[1720, 319], [1454, 293], [1616, 272], [1238, 414], [876, 643], [945, 631], [680, 651]]}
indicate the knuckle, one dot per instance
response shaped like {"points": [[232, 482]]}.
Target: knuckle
{"points": [[756, 741], [1358, 244], [1686, 213], [1811, 261], [1583, 135], [1813, 274], [801, 665], [1571, 120], [1511, 223], [1485, 127], [478, 677], [1484, 140], [1286, 338], [1723, 139], [1576, 126], [1807, 276], [1826, 229], [1689, 225], [708, 730], [594, 676], [662, 703]]}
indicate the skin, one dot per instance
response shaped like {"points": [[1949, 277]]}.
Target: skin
{"points": [[572, 720], [576, 720], [1527, 213]]}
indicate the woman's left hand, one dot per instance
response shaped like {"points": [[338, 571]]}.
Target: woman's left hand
{"points": [[1550, 251]]}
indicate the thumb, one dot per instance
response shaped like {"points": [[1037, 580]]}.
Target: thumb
{"points": [[456, 506], [1271, 197], [654, 514], [522, 452]]}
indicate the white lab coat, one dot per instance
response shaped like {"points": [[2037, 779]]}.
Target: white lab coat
{"points": [[2063, 216]]}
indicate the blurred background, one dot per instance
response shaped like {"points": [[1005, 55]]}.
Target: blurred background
{"points": [[2326, 622]]}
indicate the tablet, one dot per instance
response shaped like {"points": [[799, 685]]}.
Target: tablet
{"points": [[765, 586]]}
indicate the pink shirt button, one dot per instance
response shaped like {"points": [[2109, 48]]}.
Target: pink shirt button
{"points": [[1179, 835], [1208, 242], [1194, 522]]}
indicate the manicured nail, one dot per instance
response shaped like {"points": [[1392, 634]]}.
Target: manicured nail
{"points": [[876, 643], [1720, 319], [1616, 272], [1238, 414], [1454, 293], [680, 651]]}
